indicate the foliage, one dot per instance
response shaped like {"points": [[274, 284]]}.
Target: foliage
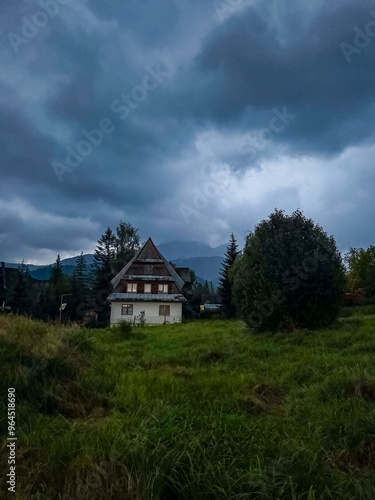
{"points": [[58, 284], [127, 244], [104, 254], [289, 275], [20, 298], [194, 411], [361, 273], [225, 283], [79, 288]]}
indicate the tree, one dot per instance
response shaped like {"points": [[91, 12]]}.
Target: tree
{"points": [[79, 288], [361, 270], [56, 277], [225, 283], [102, 270], [127, 244], [58, 284], [19, 294], [290, 274]]}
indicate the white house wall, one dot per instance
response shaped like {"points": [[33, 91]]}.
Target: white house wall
{"points": [[151, 312]]}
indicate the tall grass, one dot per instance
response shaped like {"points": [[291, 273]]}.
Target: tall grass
{"points": [[205, 410]]}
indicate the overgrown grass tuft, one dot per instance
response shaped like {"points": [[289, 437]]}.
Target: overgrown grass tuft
{"points": [[204, 409]]}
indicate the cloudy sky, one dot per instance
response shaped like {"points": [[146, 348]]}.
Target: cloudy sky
{"points": [[188, 118]]}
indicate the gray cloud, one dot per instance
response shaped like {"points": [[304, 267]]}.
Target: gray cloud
{"points": [[225, 81]]}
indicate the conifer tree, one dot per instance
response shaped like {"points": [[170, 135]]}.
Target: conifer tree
{"points": [[225, 283], [58, 284], [79, 287], [102, 269], [19, 296]]}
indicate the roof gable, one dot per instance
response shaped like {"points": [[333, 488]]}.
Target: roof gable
{"points": [[146, 254]]}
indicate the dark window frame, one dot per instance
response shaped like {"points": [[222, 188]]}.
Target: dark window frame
{"points": [[166, 310], [129, 309]]}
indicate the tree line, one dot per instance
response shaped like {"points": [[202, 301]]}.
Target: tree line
{"points": [[85, 292], [289, 274]]}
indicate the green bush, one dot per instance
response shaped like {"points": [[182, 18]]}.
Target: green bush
{"points": [[290, 275]]}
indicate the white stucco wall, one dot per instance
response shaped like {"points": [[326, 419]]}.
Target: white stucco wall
{"points": [[151, 312]]}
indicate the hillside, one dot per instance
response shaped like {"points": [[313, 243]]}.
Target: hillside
{"points": [[207, 268], [203, 410]]}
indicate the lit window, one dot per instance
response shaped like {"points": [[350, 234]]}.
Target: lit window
{"points": [[164, 310], [147, 288], [149, 269], [163, 288], [131, 287], [127, 309]]}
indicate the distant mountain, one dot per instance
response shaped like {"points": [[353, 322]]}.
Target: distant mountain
{"points": [[89, 257], [207, 267], [187, 249], [202, 258], [43, 272], [16, 266]]}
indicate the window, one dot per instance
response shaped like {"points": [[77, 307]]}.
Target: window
{"points": [[127, 309], [164, 310], [131, 287], [147, 288], [149, 269], [163, 288]]}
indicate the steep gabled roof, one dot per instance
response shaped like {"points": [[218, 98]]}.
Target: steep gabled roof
{"points": [[148, 252]]}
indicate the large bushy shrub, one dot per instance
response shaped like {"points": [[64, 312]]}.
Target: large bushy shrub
{"points": [[290, 274]]}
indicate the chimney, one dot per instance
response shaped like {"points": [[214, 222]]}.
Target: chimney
{"points": [[3, 275], [173, 265]]}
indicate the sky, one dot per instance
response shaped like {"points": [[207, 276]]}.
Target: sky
{"points": [[190, 119]]}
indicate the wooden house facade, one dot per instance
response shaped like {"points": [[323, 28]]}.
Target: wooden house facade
{"points": [[147, 283]]}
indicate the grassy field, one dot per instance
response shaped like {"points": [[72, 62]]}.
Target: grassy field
{"points": [[202, 410]]}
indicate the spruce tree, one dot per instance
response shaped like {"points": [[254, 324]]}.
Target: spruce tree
{"points": [[225, 284], [58, 284], [19, 296], [79, 286], [102, 269]]}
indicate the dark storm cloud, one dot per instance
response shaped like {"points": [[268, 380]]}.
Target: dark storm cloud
{"points": [[225, 78], [248, 65]]}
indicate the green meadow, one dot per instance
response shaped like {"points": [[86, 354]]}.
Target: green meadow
{"points": [[201, 410]]}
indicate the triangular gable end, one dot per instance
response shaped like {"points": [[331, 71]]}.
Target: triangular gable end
{"points": [[149, 252]]}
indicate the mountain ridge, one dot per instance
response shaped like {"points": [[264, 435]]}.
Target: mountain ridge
{"points": [[180, 253]]}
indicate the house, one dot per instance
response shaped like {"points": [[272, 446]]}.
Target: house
{"points": [[148, 283]]}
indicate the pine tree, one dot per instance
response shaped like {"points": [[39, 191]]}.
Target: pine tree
{"points": [[19, 296], [79, 287], [225, 284], [102, 269], [57, 274], [58, 284]]}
